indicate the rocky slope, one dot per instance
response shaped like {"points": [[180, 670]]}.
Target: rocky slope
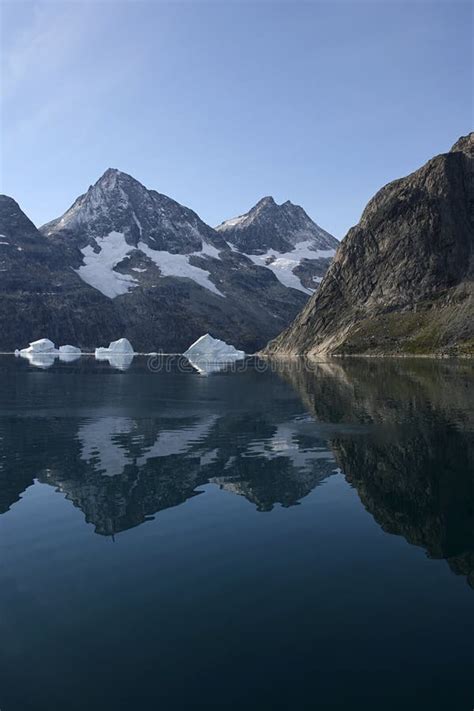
{"points": [[284, 239], [402, 279], [38, 295], [127, 261]]}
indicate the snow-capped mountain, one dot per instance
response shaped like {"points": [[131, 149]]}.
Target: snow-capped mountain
{"points": [[129, 235], [155, 273], [284, 239]]}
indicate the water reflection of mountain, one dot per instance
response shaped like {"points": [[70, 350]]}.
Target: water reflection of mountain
{"points": [[414, 469], [123, 448]]}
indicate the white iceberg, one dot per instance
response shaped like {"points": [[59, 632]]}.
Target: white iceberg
{"points": [[211, 350], [119, 354], [42, 345], [122, 346], [68, 354], [73, 350]]}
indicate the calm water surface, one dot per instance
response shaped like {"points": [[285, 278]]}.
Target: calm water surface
{"points": [[242, 540]]}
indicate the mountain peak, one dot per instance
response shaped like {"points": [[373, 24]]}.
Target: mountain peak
{"points": [[269, 226], [112, 176], [464, 144], [267, 200]]}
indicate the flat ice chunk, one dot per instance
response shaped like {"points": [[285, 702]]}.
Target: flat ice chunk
{"points": [[70, 349], [40, 353], [212, 350]]}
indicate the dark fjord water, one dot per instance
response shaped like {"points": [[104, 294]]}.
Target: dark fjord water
{"points": [[252, 540]]}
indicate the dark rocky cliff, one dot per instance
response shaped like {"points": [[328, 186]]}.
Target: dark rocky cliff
{"points": [[402, 279]]}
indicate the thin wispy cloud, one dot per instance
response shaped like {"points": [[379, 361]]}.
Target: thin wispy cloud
{"points": [[49, 38], [56, 71]]}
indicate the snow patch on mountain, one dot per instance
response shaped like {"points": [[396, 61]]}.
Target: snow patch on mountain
{"points": [[99, 271], [230, 224], [283, 264], [98, 268], [177, 265]]}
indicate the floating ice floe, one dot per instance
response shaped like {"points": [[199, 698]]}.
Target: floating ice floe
{"points": [[213, 350], [123, 345], [72, 350], [209, 354], [43, 352], [67, 354], [119, 353], [40, 353]]}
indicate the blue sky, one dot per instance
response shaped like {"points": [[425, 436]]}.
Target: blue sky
{"points": [[220, 103]]}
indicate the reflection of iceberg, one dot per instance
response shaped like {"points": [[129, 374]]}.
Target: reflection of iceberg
{"points": [[119, 354], [69, 357], [209, 355], [205, 367], [121, 361], [40, 360]]}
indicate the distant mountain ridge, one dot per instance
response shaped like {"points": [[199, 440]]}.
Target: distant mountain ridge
{"points": [[402, 280], [156, 272], [285, 239]]}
